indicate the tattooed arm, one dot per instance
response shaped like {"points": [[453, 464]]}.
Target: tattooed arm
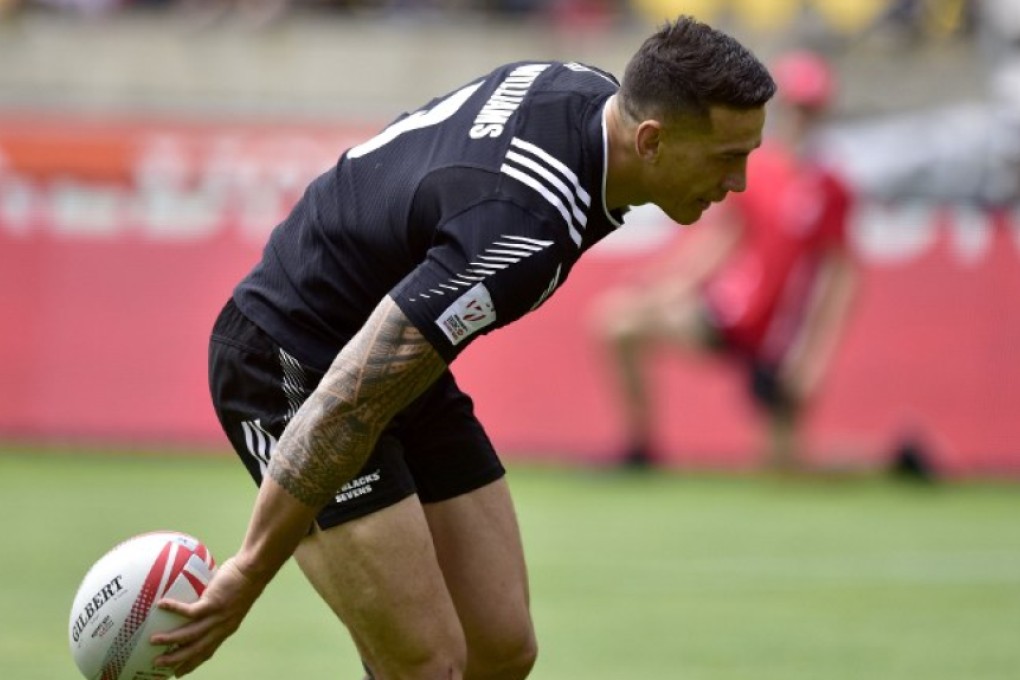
{"points": [[387, 365], [383, 368]]}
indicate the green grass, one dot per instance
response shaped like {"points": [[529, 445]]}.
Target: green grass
{"points": [[646, 577]]}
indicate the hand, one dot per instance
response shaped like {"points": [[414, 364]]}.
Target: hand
{"points": [[213, 618]]}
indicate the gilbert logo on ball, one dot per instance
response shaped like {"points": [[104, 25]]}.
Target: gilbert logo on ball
{"points": [[114, 612]]}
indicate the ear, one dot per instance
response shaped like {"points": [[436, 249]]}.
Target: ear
{"points": [[648, 139]]}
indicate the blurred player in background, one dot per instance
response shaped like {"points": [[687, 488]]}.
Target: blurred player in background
{"points": [[767, 283], [329, 365]]}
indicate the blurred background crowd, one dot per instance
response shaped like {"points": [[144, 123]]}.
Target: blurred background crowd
{"points": [[952, 65], [834, 19], [918, 17]]}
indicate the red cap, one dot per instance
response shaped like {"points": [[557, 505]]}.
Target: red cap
{"points": [[804, 78]]}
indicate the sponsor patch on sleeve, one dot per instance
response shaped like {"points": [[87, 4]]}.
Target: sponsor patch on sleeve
{"points": [[468, 314]]}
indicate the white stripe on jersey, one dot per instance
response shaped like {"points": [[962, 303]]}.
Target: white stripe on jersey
{"points": [[513, 249], [525, 242], [514, 255], [481, 270], [493, 262], [553, 199], [553, 180], [556, 164]]}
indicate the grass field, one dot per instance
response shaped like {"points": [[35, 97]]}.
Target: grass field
{"points": [[651, 577]]}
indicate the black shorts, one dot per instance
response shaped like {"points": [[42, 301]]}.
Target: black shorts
{"points": [[435, 447], [763, 383], [767, 389]]}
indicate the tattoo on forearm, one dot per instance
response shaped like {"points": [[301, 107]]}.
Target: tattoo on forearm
{"points": [[384, 367]]}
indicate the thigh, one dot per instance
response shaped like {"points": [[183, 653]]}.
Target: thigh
{"points": [[478, 544], [657, 313], [380, 575]]}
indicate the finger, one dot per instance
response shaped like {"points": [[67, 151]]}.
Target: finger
{"points": [[186, 609], [184, 670], [183, 660], [182, 635], [179, 656], [176, 658]]}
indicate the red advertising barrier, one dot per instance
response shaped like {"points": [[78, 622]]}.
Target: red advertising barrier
{"points": [[120, 240]]}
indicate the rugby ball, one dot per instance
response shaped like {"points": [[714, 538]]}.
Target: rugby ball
{"points": [[115, 613]]}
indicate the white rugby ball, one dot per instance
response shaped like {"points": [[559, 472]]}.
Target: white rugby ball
{"points": [[115, 613]]}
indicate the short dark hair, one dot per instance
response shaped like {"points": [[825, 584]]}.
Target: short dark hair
{"points": [[686, 67]]}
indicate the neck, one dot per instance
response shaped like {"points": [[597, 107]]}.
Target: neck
{"points": [[794, 131], [621, 173]]}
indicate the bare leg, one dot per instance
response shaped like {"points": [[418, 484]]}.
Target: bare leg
{"points": [[455, 606], [783, 453], [622, 327], [479, 547], [380, 575], [629, 323]]}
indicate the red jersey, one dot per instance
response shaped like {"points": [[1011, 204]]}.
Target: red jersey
{"points": [[793, 212]]}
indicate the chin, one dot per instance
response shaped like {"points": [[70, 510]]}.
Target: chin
{"points": [[683, 214], [688, 218]]}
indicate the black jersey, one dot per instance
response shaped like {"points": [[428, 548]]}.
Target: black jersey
{"points": [[468, 212]]}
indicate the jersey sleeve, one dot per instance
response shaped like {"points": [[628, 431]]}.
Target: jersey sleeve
{"points": [[488, 266]]}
